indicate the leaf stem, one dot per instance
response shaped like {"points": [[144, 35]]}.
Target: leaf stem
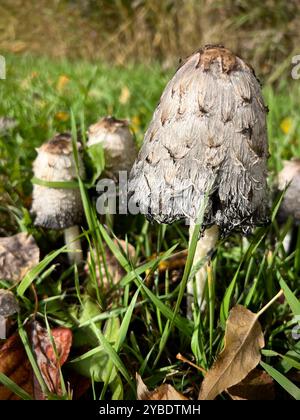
{"points": [[280, 293]]}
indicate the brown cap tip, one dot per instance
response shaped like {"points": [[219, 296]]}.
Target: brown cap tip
{"points": [[58, 145], [108, 123]]}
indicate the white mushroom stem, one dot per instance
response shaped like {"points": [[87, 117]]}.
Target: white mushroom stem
{"points": [[204, 246], [73, 244]]}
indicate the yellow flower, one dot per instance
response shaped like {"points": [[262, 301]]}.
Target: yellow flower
{"points": [[135, 123], [125, 95], [61, 116], [286, 125], [62, 82]]}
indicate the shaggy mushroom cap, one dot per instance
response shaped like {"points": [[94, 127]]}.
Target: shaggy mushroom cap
{"points": [[117, 141], [56, 208], [207, 135], [289, 177]]}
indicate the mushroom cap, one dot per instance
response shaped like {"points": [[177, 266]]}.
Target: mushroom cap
{"points": [[117, 141], [207, 136], [289, 177], [56, 208]]}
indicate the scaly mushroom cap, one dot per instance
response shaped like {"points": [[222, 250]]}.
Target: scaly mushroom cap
{"points": [[56, 208], [117, 141], [289, 177], [207, 133]]}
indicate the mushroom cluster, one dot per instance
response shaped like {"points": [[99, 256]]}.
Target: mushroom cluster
{"points": [[207, 136]]}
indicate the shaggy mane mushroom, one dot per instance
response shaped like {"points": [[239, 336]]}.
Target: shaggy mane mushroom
{"points": [[207, 136]]}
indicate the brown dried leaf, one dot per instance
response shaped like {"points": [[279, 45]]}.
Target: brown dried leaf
{"points": [[163, 392], [47, 361], [241, 354], [18, 255], [174, 262], [258, 385], [15, 364]]}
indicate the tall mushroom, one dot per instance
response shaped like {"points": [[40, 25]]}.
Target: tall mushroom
{"points": [[207, 136], [58, 208], [289, 179]]}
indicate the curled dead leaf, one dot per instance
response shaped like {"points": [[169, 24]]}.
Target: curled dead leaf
{"points": [[163, 392], [49, 361], [241, 354], [18, 255]]}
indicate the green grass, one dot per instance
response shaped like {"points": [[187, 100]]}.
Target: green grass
{"points": [[143, 327]]}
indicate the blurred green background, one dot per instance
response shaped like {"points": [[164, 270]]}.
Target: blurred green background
{"points": [[122, 31]]}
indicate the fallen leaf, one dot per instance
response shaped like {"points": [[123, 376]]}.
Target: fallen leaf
{"points": [[8, 303], [174, 262], [18, 255], [15, 364], [49, 361], [243, 341], [257, 385], [163, 392]]}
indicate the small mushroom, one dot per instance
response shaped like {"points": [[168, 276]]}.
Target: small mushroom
{"points": [[289, 179], [118, 144], [119, 150], [207, 136], [58, 208]]}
